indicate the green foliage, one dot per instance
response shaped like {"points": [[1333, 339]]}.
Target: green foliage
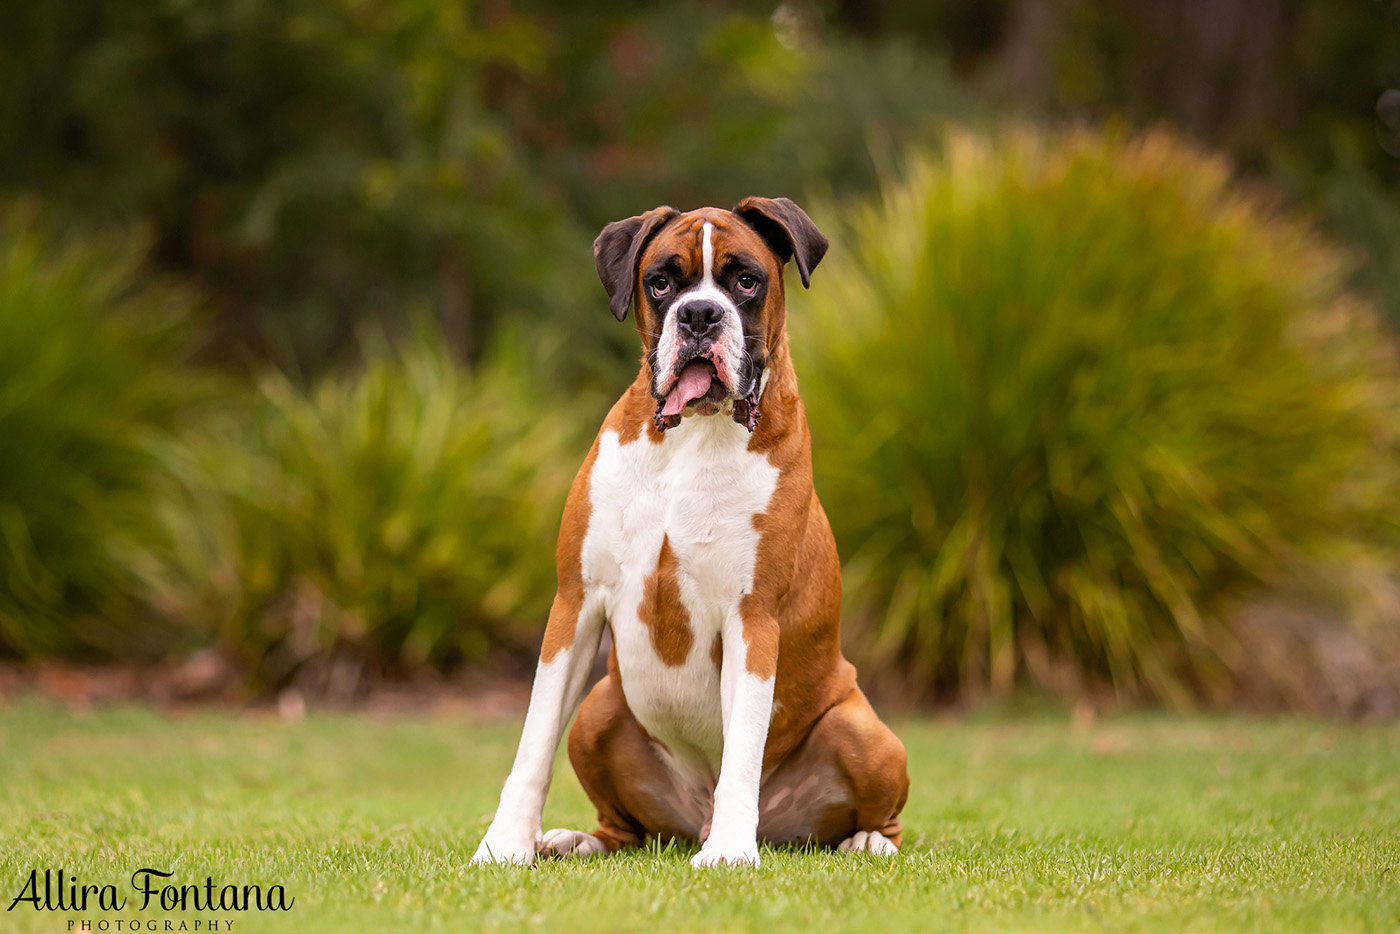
{"points": [[1156, 392], [732, 105], [319, 164], [631, 112], [314, 164], [1368, 216], [88, 377], [1289, 88], [1067, 394], [400, 516]]}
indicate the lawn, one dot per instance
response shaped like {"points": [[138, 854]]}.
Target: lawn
{"points": [[1015, 822]]}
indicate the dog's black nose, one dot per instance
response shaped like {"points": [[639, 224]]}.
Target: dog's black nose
{"points": [[699, 319]]}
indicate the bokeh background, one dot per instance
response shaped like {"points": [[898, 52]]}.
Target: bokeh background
{"points": [[301, 343]]}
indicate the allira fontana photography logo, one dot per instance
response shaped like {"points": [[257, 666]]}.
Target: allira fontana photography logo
{"points": [[149, 890]]}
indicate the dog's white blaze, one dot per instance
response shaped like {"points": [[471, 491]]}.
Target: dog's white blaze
{"points": [[699, 490], [728, 348]]}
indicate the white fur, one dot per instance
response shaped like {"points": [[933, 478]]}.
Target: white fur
{"points": [[728, 352], [699, 489], [871, 841], [574, 844], [554, 698], [748, 708]]}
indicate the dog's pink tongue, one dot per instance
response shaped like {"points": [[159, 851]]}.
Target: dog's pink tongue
{"points": [[694, 382]]}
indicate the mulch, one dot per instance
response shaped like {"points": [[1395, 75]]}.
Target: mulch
{"points": [[208, 679]]}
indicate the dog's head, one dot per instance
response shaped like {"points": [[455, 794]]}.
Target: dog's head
{"points": [[709, 294]]}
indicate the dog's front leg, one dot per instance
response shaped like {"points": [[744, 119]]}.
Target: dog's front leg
{"points": [[554, 699], [747, 675]]}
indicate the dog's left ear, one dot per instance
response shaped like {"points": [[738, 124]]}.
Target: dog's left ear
{"points": [[787, 230], [617, 250]]}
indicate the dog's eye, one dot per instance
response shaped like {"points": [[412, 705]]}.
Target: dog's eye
{"points": [[659, 287], [748, 284]]}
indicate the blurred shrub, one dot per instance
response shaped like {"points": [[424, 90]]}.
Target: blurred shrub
{"points": [[735, 104], [318, 164], [1368, 216], [310, 163], [88, 378], [1067, 394], [401, 516]]}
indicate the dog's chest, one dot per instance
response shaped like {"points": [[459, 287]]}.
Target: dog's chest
{"points": [[670, 550]]}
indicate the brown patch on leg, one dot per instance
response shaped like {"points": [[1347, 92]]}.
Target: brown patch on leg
{"points": [[568, 562], [849, 774], [621, 772], [662, 611], [761, 637], [563, 621]]}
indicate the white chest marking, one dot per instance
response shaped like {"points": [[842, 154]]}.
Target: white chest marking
{"points": [[699, 490]]}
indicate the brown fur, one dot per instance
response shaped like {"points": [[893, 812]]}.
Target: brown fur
{"points": [[662, 611], [631, 416], [847, 773], [568, 558]]}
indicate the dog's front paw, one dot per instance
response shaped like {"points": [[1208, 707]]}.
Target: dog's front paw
{"points": [[717, 852], [507, 845]]}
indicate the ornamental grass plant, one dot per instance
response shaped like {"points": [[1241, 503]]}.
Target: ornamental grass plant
{"points": [[384, 520], [90, 375], [1074, 395]]}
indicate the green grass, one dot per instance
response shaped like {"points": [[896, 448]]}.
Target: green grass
{"points": [[1143, 822]]}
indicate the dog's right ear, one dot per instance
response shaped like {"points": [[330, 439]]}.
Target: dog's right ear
{"points": [[617, 251]]}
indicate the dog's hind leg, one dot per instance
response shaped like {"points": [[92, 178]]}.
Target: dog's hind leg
{"points": [[622, 773], [844, 786]]}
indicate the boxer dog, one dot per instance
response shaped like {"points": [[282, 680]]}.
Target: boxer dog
{"points": [[728, 714]]}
